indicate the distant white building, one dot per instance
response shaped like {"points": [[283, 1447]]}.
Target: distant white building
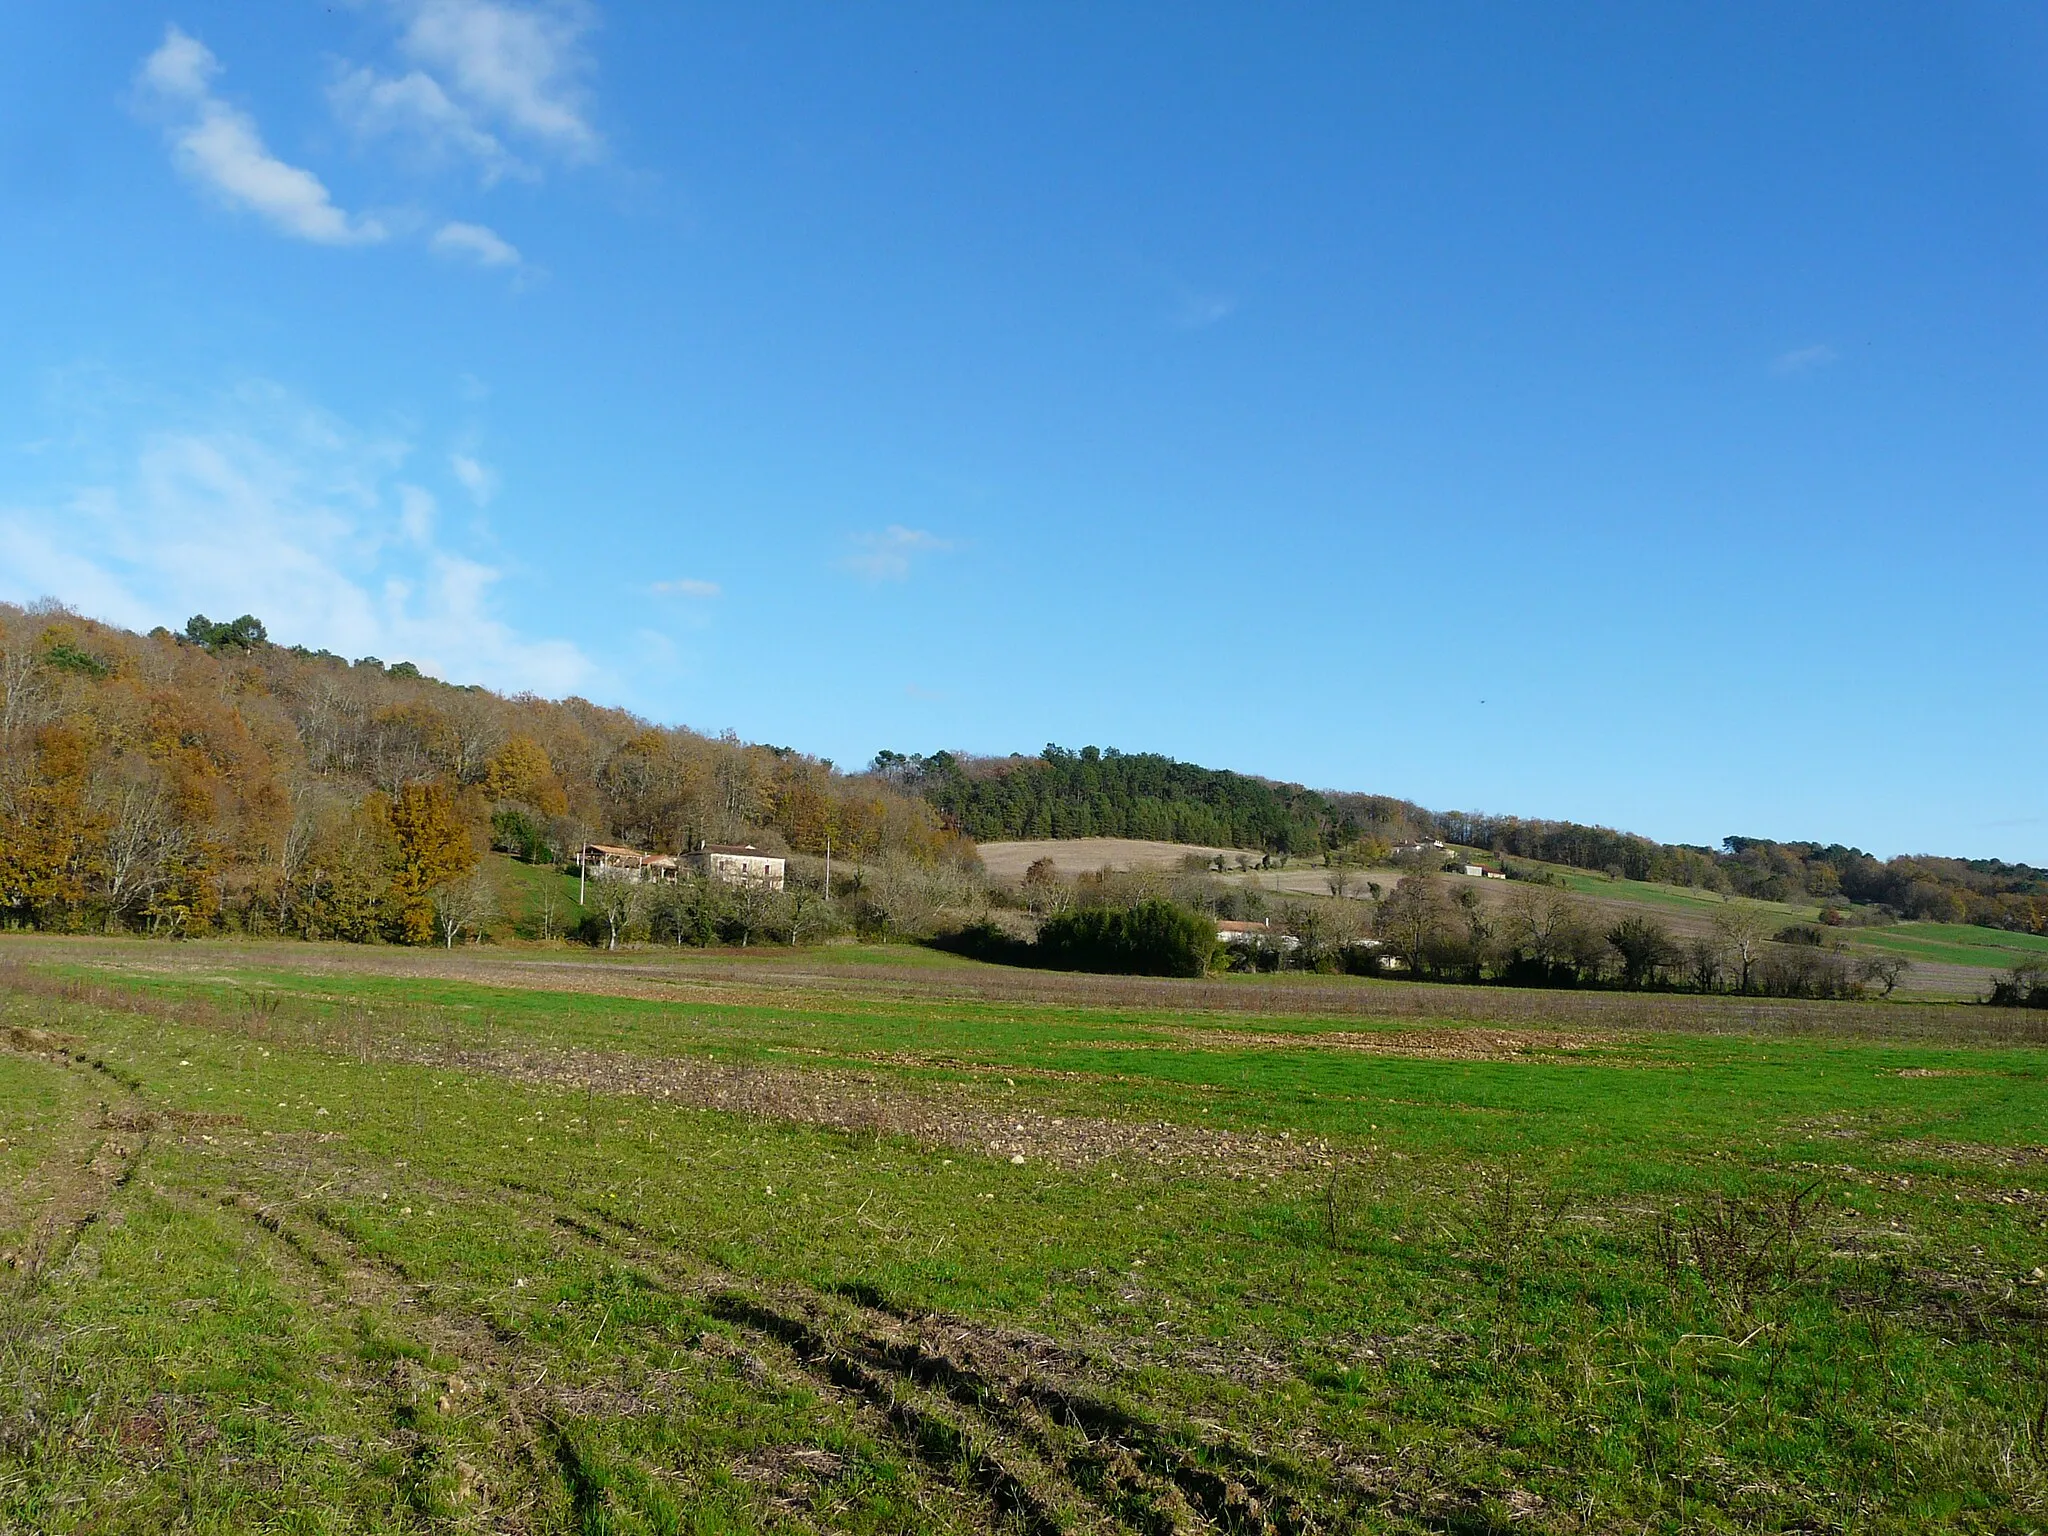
{"points": [[1481, 872], [1231, 931]]}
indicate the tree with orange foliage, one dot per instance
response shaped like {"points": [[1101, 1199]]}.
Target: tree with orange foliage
{"points": [[45, 826], [434, 847], [520, 771]]}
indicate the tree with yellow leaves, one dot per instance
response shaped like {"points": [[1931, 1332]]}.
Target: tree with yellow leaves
{"points": [[520, 771], [434, 847]]}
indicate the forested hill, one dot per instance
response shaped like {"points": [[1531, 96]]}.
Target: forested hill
{"points": [[214, 781], [1094, 793], [1106, 793]]}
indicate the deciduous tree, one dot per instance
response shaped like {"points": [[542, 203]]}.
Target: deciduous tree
{"points": [[433, 847]]}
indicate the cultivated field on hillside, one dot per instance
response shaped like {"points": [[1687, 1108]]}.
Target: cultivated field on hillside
{"points": [[355, 1239]]}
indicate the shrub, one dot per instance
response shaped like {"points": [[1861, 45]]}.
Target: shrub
{"points": [[1149, 938], [2024, 986], [1808, 934]]}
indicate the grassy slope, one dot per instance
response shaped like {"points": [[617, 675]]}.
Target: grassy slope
{"points": [[1384, 1306], [523, 888]]}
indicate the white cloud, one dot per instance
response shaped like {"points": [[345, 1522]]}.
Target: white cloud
{"points": [[475, 242], [1804, 359], [480, 70], [689, 586], [886, 556], [220, 147], [477, 478], [414, 108], [521, 64], [280, 510], [182, 66]]}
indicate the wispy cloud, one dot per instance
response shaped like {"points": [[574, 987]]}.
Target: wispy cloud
{"points": [[417, 513], [477, 477], [1804, 359], [474, 242], [887, 556], [282, 510], [415, 110], [480, 72], [525, 64], [689, 586], [220, 147]]}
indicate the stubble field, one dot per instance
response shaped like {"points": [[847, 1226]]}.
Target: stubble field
{"points": [[315, 1238]]}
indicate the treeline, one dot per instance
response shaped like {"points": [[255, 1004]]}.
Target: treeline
{"points": [[1097, 793], [1428, 929], [1543, 937], [215, 781], [1106, 793]]}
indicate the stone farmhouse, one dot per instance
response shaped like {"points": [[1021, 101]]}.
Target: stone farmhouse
{"points": [[737, 864], [731, 863]]}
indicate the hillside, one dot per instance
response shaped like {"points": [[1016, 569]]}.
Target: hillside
{"points": [[215, 781], [1101, 792]]}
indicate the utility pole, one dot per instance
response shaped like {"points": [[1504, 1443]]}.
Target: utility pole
{"points": [[828, 866], [582, 863]]}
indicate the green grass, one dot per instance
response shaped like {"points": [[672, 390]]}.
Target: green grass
{"points": [[524, 888], [1961, 944], [1955, 944], [1677, 898], [438, 1254]]}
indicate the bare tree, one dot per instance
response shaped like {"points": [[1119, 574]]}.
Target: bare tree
{"points": [[1887, 970], [467, 905], [293, 850], [24, 700], [1323, 930], [618, 905], [1044, 891], [1412, 919], [473, 734], [143, 837], [1538, 921], [547, 907], [1744, 931]]}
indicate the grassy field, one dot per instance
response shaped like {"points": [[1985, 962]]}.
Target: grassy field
{"points": [[1957, 944], [311, 1238]]}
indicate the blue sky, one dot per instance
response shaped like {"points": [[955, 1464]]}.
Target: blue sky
{"points": [[1606, 412]]}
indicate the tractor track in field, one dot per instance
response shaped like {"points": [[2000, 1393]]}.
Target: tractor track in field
{"points": [[1015, 1412], [539, 1420], [493, 1373], [95, 1161]]}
